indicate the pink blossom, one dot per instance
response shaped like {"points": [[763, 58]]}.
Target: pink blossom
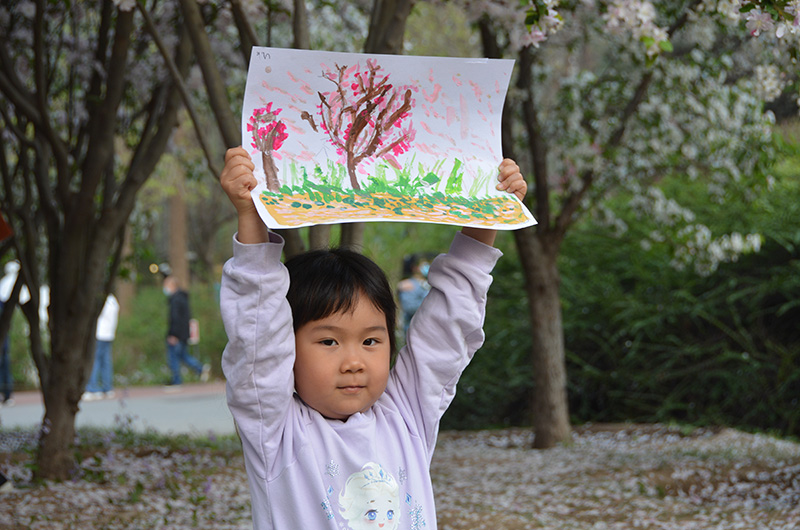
{"points": [[534, 38], [758, 21]]}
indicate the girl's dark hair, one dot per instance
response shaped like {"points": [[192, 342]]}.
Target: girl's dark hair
{"points": [[326, 282]]}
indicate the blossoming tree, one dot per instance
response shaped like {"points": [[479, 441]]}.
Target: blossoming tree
{"points": [[268, 133], [76, 81], [610, 99], [364, 115]]}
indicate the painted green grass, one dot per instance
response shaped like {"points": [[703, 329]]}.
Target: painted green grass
{"points": [[412, 187], [414, 179]]}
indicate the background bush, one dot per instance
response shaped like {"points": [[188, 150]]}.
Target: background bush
{"points": [[647, 342]]}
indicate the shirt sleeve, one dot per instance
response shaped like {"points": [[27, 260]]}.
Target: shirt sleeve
{"points": [[259, 358], [444, 334]]}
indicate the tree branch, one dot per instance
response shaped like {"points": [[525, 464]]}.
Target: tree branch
{"points": [[302, 37], [217, 93], [59, 149], [181, 86], [247, 35], [101, 135], [567, 215]]}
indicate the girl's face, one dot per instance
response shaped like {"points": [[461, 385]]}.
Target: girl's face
{"points": [[342, 360]]}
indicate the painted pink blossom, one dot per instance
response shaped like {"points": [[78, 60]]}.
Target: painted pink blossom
{"points": [[365, 116], [268, 135]]}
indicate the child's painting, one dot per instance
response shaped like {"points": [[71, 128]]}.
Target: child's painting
{"points": [[341, 137]]}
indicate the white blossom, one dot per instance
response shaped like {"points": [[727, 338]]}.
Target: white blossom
{"points": [[758, 21], [769, 84], [125, 5]]}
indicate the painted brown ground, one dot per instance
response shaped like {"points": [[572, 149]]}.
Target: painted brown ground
{"points": [[294, 210]]}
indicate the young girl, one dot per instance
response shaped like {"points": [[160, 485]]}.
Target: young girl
{"points": [[308, 371]]}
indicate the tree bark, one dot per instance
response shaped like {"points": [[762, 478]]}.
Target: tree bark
{"points": [[178, 230], [387, 26], [319, 237], [538, 248], [550, 410], [215, 87], [55, 457], [300, 30]]}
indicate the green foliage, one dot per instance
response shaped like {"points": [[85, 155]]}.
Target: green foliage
{"points": [[495, 389], [647, 342]]}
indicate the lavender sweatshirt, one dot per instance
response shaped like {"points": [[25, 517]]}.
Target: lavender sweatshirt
{"points": [[307, 472]]}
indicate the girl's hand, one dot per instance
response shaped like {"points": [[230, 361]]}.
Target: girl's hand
{"points": [[511, 180], [237, 179]]}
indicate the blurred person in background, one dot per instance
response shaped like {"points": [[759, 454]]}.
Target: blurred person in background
{"points": [[7, 282], [101, 381], [178, 334], [413, 289]]}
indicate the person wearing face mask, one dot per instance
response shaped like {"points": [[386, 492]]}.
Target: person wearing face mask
{"points": [[178, 334], [413, 289]]}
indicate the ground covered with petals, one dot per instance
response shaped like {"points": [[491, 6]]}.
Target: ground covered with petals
{"points": [[609, 477]]}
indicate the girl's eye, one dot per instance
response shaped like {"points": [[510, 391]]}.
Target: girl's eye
{"points": [[372, 515], [371, 342], [327, 342], [390, 514]]}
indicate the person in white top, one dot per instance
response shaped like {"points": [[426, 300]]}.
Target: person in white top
{"points": [[101, 381], [6, 287]]}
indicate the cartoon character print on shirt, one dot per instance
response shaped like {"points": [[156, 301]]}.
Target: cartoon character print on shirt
{"points": [[371, 499]]}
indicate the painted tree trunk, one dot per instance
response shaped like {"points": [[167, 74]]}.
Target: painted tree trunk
{"points": [[273, 184], [351, 170], [550, 411]]}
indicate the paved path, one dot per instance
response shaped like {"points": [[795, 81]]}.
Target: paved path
{"points": [[193, 409]]}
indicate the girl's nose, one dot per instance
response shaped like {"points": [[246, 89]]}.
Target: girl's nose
{"points": [[352, 362]]}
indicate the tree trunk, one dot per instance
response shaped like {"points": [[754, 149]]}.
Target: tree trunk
{"points": [[178, 231], [319, 237], [126, 287], [539, 254], [273, 183], [387, 26], [55, 457], [215, 87], [352, 236]]}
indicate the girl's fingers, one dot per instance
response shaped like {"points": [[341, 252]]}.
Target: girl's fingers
{"points": [[236, 151], [511, 180]]}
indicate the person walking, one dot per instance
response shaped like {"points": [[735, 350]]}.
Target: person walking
{"points": [[178, 334], [101, 381]]}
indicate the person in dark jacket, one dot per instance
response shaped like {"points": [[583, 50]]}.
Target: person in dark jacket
{"points": [[178, 334]]}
